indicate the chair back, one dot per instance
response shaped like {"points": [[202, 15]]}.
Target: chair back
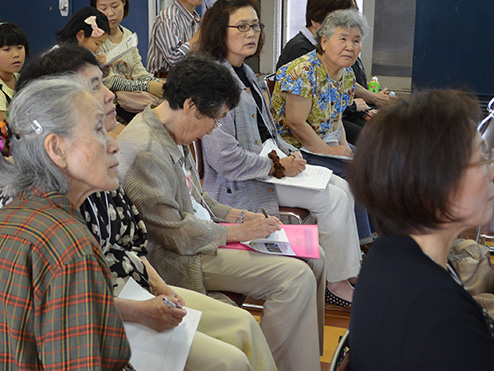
{"points": [[270, 81], [341, 359]]}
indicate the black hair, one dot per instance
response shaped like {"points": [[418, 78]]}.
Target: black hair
{"points": [[66, 58], [77, 22], [11, 34], [209, 85], [125, 3]]}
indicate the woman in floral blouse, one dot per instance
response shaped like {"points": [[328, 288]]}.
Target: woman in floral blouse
{"points": [[312, 92]]}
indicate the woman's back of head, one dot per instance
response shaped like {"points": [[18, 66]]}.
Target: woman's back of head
{"points": [[209, 85], [410, 158], [66, 58]]}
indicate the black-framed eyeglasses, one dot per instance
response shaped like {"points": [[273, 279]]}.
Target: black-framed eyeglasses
{"points": [[245, 27]]}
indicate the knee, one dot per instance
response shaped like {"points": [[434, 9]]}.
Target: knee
{"points": [[234, 359], [302, 277]]}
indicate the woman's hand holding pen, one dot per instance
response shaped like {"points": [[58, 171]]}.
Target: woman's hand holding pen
{"points": [[253, 229], [155, 314], [293, 165]]}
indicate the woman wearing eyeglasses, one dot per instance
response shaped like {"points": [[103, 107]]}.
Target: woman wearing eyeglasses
{"points": [[426, 175], [234, 169]]}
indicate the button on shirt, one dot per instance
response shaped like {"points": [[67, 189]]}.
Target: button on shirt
{"points": [[169, 41], [57, 305]]}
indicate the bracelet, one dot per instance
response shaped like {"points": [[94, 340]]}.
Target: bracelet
{"points": [[240, 218], [279, 170]]}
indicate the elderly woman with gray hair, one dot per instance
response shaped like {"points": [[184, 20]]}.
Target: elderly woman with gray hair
{"points": [[312, 92], [58, 309]]}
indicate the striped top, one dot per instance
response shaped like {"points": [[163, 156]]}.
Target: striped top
{"points": [[169, 41], [57, 305]]}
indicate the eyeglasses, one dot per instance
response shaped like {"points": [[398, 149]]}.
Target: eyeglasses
{"points": [[487, 154], [245, 27], [216, 123], [485, 122]]}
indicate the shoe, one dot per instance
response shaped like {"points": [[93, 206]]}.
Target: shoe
{"points": [[335, 300]]}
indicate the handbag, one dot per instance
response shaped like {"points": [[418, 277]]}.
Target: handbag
{"points": [[473, 264], [136, 101], [133, 101]]}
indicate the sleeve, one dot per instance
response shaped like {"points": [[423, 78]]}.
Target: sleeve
{"points": [[169, 43], [151, 184], [3, 102], [456, 339], [224, 154], [78, 324], [296, 79]]}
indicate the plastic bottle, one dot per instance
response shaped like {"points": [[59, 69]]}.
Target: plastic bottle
{"points": [[374, 85]]}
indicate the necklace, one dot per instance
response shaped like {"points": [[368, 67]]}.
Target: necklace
{"points": [[120, 36]]}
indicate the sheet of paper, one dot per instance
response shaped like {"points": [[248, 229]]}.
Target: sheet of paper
{"points": [[276, 243], [313, 177], [160, 351], [345, 158], [121, 49]]}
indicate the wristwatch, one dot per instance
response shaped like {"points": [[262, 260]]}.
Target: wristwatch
{"points": [[240, 218]]}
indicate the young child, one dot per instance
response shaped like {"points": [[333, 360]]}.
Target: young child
{"points": [[89, 28], [14, 47]]}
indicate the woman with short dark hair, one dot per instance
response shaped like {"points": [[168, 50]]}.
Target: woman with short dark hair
{"points": [[426, 175]]}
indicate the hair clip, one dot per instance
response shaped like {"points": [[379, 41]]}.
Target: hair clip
{"points": [[5, 135], [97, 32], [38, 129]]}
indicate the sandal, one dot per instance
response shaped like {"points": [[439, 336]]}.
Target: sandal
{"points": [[335, 300]]}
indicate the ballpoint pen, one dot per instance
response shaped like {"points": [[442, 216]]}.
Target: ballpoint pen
{"points": [[170, 303], [264, 212]]}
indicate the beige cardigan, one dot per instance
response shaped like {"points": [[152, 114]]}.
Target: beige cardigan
{"points": [[151, 173]]}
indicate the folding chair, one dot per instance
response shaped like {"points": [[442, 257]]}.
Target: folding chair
{"points": [[340, 360]]}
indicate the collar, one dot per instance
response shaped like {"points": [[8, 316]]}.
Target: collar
{"points": [[308, 35], [163, 135], [54, 198], [191, 17]]}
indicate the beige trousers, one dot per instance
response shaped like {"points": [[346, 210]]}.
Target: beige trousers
{"points": [[293, 316], [228, 338]]}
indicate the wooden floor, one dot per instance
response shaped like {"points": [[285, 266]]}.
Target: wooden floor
{"points": [[336, 322]]}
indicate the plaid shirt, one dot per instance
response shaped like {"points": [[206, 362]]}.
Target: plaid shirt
{"points": [[169, 41], [57, 305]]}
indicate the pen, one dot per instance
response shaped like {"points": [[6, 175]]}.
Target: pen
{"points": [[292, 153], [264, 212], [170, 303], [366, 112]]}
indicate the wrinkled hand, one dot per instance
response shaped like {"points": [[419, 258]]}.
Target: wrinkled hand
{"points": [[361, 105], [339, 150], [157, 315], [259, 228], [383, 97], [166, 290], [293, 166]]}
